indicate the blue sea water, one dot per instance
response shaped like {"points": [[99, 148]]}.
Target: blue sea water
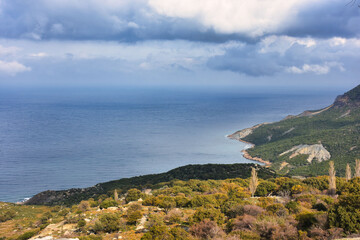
{"points": [[59, 139]]}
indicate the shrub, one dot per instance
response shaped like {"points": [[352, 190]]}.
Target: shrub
{"points": [[246, 234], [28, 234], [293, 207], [84, 206], [245, 222], [265, 188], [271, 229], [90, 237], [232, 209], [181, 201], [132, 195], [306, 220], [277, 209], [345, 214], [134, 207], [180, 234], [167, 203], [158, 232], [109, 202], [210, 213], [108, 223], [133, 216], [320, 206], [202, 200], [174, 216], [207, 229], [252, 210], [81, 223], [7, 215]]}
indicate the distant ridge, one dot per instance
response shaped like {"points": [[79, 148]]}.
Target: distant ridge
{"points": [[335, 128]]}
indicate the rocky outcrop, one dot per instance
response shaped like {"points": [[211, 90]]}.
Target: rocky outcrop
{"points": [[316, 151]]}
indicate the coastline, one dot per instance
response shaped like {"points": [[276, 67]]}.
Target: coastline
{"points": [[247, 155]]}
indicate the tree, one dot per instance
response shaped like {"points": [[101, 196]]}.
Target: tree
{"points": [[348, 173], [116, 196], [332, 178], [254, 182], [357, 168]]}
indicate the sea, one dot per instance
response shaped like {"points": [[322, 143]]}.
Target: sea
{"points": [[59, 138]]}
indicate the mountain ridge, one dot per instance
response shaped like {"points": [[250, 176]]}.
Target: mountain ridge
{"points": [[336, 127]]}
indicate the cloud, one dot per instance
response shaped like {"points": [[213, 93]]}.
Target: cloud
{"points": [[12, 68], [253, 18], [201, 20], [283, 54], [39, 55], [8, 51]]}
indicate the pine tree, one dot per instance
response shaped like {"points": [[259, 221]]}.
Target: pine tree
{"points": [[332, 179], [116, 196], [348, 173], [357, 168], [254, 182]]}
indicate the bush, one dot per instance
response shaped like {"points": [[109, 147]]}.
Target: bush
{"points": [[232, 209], [7, 215], [109, 202], [207, 229], [81, 223], [246, 234], [84, 206], [28, 234], [306, 220], [210, 213], [133, 216], [293, 207], [90, 237], [108, 223], [167, 203], [181, 201], [265, 188], [320, 206], [180, 234], [174, 216], [277, 209], [245, 222], [252, 210], [132, 195], [158, 232], [345, 214]]}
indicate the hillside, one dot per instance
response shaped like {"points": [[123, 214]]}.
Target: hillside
{"points": [[201, 172], [283, 208], [303, 144]]}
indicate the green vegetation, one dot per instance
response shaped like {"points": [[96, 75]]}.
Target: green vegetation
{"points": [[337, 129], [201, 172], [283, 208]]}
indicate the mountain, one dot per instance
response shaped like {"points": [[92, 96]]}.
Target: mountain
{"points": [[303, 144]]}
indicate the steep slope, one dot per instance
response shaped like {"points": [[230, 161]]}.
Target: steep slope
{"points": [[333, 134]]}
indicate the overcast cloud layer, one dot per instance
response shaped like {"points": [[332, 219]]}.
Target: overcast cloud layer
{"points": [[162, 41]]}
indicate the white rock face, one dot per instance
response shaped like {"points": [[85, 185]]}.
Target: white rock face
{"points": [[314, 151]]}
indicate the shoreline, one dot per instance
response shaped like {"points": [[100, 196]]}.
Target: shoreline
{"points": [[247, 155]]}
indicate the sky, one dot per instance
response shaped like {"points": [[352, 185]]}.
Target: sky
{"points": [[257, 43]]}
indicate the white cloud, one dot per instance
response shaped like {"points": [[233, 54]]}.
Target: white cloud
{"points": [[39, 55], [306, 68], [8, 51], [253, 18], [12, 68]]}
